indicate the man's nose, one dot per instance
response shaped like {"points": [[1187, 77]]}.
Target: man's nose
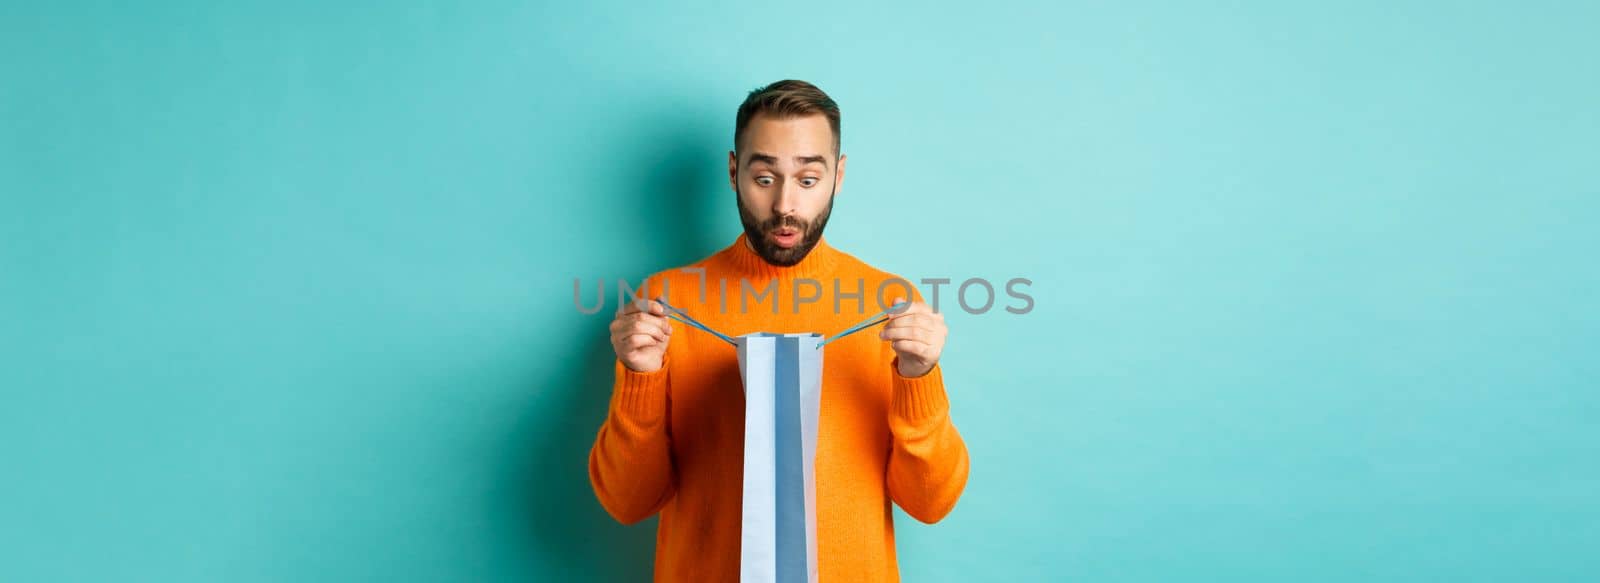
{"points": [[787, 200]]}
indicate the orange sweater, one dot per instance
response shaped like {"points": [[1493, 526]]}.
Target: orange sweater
{"points": [[673, 439]]}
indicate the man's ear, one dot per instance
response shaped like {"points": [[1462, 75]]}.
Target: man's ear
{"points": [[733, 171], [838, 177]]}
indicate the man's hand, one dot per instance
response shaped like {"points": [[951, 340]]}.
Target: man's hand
{"points": [[917, 336], [639, 335]]}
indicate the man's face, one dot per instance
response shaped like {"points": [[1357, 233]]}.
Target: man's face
{"points": [[784, 178]]}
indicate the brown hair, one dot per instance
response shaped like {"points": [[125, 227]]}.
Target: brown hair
{"points": [[785, 99]]}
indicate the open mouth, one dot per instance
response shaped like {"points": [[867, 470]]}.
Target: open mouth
{"points": [[786, 237]]}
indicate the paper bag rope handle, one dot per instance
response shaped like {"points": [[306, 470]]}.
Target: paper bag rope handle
{"points": [[867, 323], [879, 318], [682, 316]]}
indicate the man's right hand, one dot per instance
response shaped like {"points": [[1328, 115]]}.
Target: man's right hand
{"points": [[639, 335]]}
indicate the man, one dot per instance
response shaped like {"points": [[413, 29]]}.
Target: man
{"points": [[672, 441]]}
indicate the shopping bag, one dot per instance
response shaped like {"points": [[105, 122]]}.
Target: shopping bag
{"points": [[782, 375], [782, 378]]}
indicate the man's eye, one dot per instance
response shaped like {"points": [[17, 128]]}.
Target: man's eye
{"points": [[764, 181], [808, 182]]}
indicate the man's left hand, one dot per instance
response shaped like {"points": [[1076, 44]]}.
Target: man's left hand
{"points": [[917, 336]]}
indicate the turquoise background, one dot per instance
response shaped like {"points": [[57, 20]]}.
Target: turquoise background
{"points": [[287, 286]]}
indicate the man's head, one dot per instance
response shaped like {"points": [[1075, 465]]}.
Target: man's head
{"points": [[785, 168]]}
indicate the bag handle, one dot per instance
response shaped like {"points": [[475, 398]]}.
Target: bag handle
{"points": [[682, 316], [867, 323], [879, 318]]}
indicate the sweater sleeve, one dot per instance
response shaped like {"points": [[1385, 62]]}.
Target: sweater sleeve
{"points": [[630, 465], [928, 461]]}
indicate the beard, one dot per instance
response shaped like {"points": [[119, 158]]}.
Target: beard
{"points": [[757, 232]]}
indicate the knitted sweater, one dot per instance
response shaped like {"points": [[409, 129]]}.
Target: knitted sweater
{"points": [[673, 439]]}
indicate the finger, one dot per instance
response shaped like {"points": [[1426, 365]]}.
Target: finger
{"points": [[634, 342], [645, 306], [895, 309], [651, 328], [909, 308], [665, 324], [622, 322], [911, 348], [632, 307], [635, 326], [920, 320], [660, 321], [642, 305], [907, 333], [665, 330], [655, 306], [931, 330]]}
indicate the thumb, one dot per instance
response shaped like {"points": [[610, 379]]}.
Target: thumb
{"points": [[896, 309]]}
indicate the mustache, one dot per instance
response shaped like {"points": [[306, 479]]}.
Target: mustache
{"points": [[792, 221]]}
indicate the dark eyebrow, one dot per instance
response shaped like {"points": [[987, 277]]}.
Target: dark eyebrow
{"points": [[803, 160], [770, 159]]}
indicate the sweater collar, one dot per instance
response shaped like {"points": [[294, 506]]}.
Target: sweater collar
{"points": [[815, 265]]}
